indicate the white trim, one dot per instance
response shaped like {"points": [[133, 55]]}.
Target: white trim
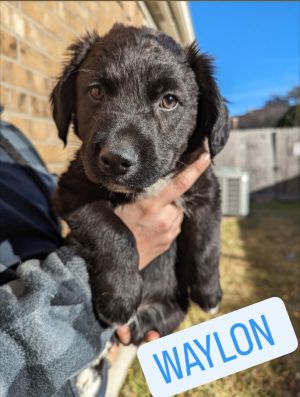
{"points": [[171, 17], [163, 16], [147, 15], [183, 18]]}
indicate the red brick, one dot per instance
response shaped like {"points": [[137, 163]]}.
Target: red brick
{"points": [[11, 18], [8, 44], [38, 61], [54, 153], [15, 101], [15, 74]]}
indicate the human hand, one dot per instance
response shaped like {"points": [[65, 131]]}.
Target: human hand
{"points": [[146, 218], [155, 222], [124, 336]]}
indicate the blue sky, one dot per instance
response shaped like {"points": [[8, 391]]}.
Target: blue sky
{"points": [[255, 45]]}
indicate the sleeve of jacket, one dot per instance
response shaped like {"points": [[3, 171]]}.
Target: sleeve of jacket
{"points": [[48, 331]]}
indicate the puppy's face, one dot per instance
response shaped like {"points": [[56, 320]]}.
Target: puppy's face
{"points": [[136, 108], [134, 100]]}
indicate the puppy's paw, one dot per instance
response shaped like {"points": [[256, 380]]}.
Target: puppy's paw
{"points": [[139, 327], [214, 310], [115, 312], [208, 300], [117, 303], [145, 321]]}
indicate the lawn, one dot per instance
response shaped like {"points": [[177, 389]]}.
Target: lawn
{"points": [[260, 258]]}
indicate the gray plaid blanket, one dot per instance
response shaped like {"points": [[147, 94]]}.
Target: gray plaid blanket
{"points": [[48, 331]]}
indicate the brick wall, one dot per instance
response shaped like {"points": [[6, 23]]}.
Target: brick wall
{"points": [[34, 35]]}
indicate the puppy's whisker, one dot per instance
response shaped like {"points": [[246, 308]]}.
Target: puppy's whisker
{"points": [[89, 71]]}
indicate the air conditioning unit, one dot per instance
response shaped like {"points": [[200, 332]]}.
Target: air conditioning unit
{"points": [[235, 188]]}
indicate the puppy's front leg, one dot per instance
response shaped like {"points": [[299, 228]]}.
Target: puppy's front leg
{"points": [[109, 249]]}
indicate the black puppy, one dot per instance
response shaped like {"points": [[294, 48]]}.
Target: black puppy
{"points": [[142, 106]]}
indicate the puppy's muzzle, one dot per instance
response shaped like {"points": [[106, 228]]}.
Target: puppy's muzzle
{"points": [[117, 162]]}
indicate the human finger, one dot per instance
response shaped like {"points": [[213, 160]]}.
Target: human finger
{"points": [[167, 216], [124, 335], [152, 335], [165, 227], [183, 181], [167, 238]]}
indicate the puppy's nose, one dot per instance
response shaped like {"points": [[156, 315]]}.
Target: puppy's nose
{"points": [[117, 163]]}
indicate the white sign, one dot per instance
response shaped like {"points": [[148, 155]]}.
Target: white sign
{"points": [[217, 348]]}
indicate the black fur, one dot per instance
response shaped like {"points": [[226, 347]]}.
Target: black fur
{"points": [[136, 68]]}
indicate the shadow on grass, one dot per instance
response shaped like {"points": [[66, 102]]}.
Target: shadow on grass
{"points": [[260, 258]]}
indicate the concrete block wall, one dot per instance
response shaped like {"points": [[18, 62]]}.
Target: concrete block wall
{"points": [[34, 36]]}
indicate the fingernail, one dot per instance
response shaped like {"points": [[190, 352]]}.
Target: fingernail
{"points": [[152, 335], [205, 157]]}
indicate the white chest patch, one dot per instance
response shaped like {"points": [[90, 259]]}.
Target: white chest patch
{"points": [[157, 187]]}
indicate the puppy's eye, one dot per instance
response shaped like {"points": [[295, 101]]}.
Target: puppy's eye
{"points": [[96, 93], [169, 102]]}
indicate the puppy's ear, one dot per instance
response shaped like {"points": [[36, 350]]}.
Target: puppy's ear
{"points": [[63, 96], [212, 119]]}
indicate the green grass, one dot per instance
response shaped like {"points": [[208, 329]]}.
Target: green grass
{"points": [[260, 259]]}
